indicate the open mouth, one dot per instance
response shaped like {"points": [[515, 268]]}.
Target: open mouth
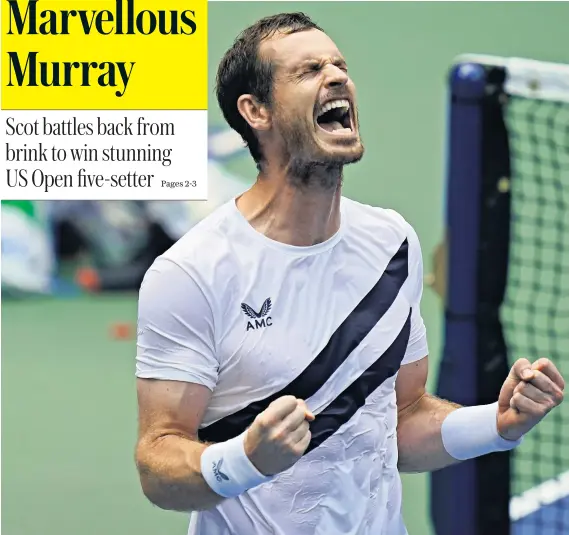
{"points": [[335, 117]]}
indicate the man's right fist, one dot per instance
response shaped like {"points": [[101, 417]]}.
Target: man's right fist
{"points": [[279, 435]]}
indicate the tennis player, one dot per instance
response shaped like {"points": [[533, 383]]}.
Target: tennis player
{"points": [[282, 357]]}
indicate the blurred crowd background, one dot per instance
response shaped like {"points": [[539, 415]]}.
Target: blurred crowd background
{"points": [[70, 270]]}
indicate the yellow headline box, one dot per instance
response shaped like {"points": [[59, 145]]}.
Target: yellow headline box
{"points": [[104, 54]]}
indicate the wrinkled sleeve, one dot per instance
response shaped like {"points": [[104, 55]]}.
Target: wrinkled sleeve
{"points": [[175, 332]]}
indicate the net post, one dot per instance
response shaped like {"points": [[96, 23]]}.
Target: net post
{"points": [[470, 498]]}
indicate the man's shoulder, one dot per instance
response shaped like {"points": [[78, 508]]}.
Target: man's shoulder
{"points": [[205, 239], [204, 249], [385, 226], [371, 217]]}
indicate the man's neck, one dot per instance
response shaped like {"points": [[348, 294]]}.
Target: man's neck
{"points": [[282, 209]]}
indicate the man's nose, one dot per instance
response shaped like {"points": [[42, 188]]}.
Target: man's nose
{"points": [[335, 77]]}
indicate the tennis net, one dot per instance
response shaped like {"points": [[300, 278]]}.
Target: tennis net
{"points": [[507, 292], [535, 312]]}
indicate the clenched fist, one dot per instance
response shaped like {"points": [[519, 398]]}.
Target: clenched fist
{"points": [[279, 435], [528, 394]]}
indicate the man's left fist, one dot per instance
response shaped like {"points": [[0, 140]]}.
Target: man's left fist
{"points": [[528, 394]]}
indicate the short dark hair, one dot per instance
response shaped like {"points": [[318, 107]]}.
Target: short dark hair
{"points": [[242, 71]]}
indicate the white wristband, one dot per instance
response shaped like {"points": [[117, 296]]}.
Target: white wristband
{"points": [[227, 469], [470, 432]]}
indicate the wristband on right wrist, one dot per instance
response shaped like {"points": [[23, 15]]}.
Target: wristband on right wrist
{"points": [[227, 469]]}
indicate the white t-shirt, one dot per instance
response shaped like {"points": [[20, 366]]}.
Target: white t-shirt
{"points": [[254, 319]]}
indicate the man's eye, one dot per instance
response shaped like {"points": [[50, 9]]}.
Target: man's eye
{"points": [[315, 67]]}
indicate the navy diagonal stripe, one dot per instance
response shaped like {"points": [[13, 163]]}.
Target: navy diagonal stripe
{"points": [[343, 341], [354, 397]]}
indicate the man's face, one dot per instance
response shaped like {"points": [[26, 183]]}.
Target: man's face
{"points": [[314, 102]]}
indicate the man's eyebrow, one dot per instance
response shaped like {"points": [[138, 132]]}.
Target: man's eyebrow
{"points": [[310, 61]]}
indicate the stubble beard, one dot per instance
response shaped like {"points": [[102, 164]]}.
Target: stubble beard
{"points": [[309, 165]]}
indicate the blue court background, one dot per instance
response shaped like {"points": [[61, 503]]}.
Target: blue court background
{"points": [[68, 398]]}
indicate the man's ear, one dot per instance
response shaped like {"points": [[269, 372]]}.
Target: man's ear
{"points": [[256, 114]]}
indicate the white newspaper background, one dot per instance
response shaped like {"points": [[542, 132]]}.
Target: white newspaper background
{"points": [[116, 232]]}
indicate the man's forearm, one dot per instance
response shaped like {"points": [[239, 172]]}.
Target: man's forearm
{"points": [[170, 474], [419, 435]]}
